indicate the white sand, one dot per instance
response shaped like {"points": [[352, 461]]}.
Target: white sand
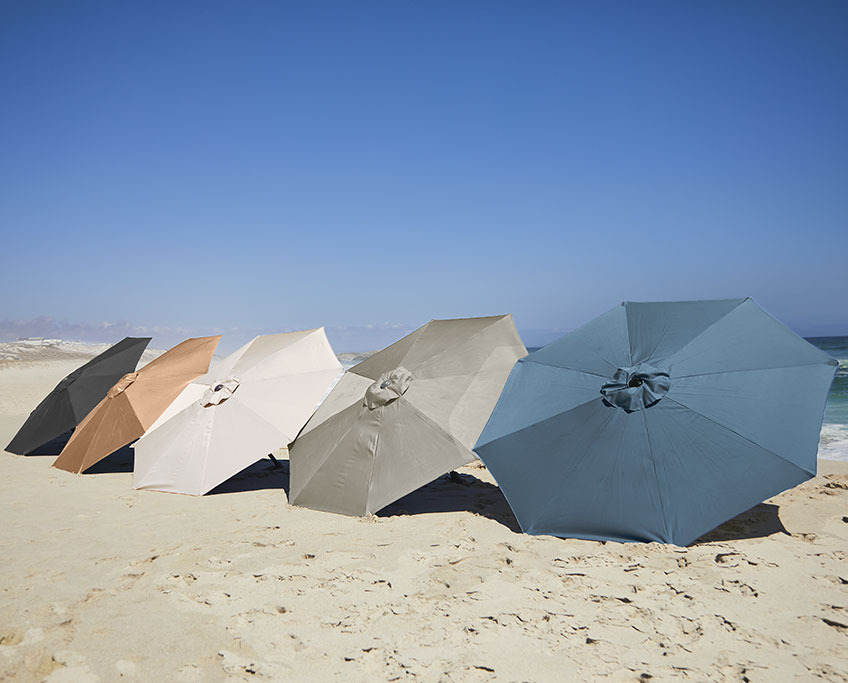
{"points": [[101, 582]]}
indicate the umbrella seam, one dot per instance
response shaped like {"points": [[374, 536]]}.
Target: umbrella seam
{"points": [[668, 535], [530, 359], [774, 367]]}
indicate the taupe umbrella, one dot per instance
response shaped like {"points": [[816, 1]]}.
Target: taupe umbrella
{"points": [[403, 417]]}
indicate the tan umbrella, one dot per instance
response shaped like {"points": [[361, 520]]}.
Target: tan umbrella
{"points": [[132, 405], [404, 417]]}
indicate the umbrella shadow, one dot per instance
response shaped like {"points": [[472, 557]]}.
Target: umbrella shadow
{"points": [[52, 447], [257, 477], [456, 492], [119, 462], [760, 521]]}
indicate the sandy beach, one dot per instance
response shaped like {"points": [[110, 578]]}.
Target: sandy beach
{"points": [[102, 583]]}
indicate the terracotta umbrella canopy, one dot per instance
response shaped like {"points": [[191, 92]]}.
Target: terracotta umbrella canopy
{"points": [[133, 404]]}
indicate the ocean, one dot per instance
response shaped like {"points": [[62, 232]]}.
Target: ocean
{"points": [[834, 434]]}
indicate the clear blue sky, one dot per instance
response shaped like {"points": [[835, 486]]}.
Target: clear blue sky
{"points": [[280, 165]]}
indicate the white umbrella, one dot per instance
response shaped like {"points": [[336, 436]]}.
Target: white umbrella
{"points": [[252, 403]]}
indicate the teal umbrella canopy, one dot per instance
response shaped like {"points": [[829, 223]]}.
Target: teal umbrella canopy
{"points": [[657, 422]]}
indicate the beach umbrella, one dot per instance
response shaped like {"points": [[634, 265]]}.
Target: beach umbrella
{"points": [[252, 403], [74, 397], [404, 416], [657, 422], [132, 405]]}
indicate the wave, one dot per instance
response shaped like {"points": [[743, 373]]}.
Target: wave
{"points": [[833, 444]]}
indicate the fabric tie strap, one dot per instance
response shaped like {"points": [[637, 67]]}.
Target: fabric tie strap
{"points": [[389, 387], [219, 391], [636, 388], [122, 384]]}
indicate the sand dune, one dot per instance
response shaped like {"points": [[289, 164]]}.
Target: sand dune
{"points": [[101, 582]]}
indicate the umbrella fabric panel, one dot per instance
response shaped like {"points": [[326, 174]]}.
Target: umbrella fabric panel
{"points": [[441, 339], [411, 451], [168, 458], [657, 330], [747, 338], [424, 344], [288, 404], [610, 491], [111, 425], [203, 447], [184, 362], [535, 393], [599, 347], [779, 409], [53, 414], [373, 457], [289, 353], [588, 465], [387, 359], [709, 474], [334, 473], [348, 392], [461, 404]]}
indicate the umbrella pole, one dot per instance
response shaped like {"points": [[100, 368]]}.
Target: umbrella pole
{"points": [[274, 460]]}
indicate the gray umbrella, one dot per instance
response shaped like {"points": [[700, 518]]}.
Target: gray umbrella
{"points": [[74, 397], [404, 417]]}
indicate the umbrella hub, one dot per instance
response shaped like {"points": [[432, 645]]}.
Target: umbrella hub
{"points": [[219, 391], [389, 387], [122, 384], [636, 388]]}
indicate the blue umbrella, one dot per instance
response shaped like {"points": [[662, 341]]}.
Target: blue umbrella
{"points": [[657, 422]]}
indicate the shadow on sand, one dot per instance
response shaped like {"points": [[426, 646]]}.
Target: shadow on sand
{"points": [[760, 521], [52, 447], [121, 461], [456, 492], [257, 477]]}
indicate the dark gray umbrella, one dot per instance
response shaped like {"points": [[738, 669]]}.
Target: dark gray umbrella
{"points": [[74, 397]]}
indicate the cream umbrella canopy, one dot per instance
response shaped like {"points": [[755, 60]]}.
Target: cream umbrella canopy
{"points": [[255, 401], [403, 417]]}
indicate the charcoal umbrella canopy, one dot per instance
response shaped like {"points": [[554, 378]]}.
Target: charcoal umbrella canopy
{"points": [[657, 422], [404, 416], [74, 397], [253, 402], [134, 403]]}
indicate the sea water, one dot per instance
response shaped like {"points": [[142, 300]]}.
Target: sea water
{"points": [[834, 434]]}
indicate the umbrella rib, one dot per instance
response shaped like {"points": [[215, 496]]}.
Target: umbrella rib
{"points": [[656, 476], [775, 367], [373, 464], [530, 359], [741, 436]]}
